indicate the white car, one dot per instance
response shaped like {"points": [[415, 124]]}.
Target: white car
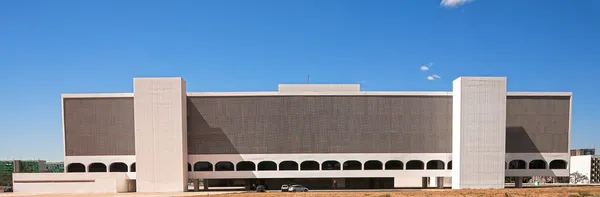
{"points": [[284, 188], [297, 188]]}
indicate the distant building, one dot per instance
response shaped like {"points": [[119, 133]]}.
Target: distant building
{"points": [[23, 166], [7, 167], [584, 151], [55, 166], [588, 165]]}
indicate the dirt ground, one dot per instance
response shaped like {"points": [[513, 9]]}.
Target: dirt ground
{"points": [[533, 192]]}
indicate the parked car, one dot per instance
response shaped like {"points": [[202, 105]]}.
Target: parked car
{"points": [[284, 188], [8, 189], [260, 188], [297, 188]]}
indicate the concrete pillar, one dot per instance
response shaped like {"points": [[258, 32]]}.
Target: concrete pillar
{"points": [[478, 132], [196, 185], [519, 182], [205, 183], [248, 184], [440, 182], [424, 182], [433, 181], [160, 121]]}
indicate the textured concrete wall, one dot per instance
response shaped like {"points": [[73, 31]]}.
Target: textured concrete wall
{"points": [[479, 132], [160, 130], [581, 164], [103, 126], [319, 124], [98, 126], [537, 124]]}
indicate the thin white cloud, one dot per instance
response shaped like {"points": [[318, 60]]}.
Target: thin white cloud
{"points": [[426, 67], [453, 3], [433, 77]]}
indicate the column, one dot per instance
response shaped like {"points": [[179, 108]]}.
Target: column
{"points": [[160, 134], [440, 182], [432, 181], [205, 184], [519, 182], [478, 132], [196, 185]]}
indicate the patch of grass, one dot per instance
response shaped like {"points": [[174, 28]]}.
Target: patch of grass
{"points": [[584, 193]]}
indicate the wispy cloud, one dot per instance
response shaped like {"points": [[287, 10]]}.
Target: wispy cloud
{"points": [[426, 67], [453, 3], [433, 77]]}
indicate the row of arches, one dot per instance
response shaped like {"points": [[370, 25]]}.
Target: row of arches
{"points": [[101, 167], [537, 164], [314, 165]]}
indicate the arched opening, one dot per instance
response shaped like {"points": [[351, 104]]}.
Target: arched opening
{"points": [[435, 165], [118, 167], [224, 166], [331, 165], [245, 166], [558, 164], [76, 167], [394, 165], [132, 167], [288, 165], [537, 164], [415, 165], [373, 165], [267, 166], [517, 164], [97, 167], [309, 165], [450, 165], [203, 166], [352, 165], [189, 167]]}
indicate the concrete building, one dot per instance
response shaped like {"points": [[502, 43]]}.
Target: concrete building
{"points": [[55, 166], [583, 151], [160, 137], [587, 165]]}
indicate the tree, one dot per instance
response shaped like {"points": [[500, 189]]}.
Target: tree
{"points": [[5, 178], [577, 177]]}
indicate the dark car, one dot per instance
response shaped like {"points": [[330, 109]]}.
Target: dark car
{"points": [[8, 189], [260, 188]]}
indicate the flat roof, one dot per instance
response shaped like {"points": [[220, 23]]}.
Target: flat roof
{"points": [[333, 93]]}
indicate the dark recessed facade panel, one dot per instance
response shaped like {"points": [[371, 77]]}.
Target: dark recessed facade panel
{"points": [[319, 124], [99, 126], [537, 124]]}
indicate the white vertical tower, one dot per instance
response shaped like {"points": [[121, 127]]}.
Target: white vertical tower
{"points": [[160, 134], [478, 132]]}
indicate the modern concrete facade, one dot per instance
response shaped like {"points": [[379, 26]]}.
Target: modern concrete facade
{"points": [[316, 133], [479, 132], [587, 165]]}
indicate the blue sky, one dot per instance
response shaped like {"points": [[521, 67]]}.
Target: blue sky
{"points": [[53, 47]]}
